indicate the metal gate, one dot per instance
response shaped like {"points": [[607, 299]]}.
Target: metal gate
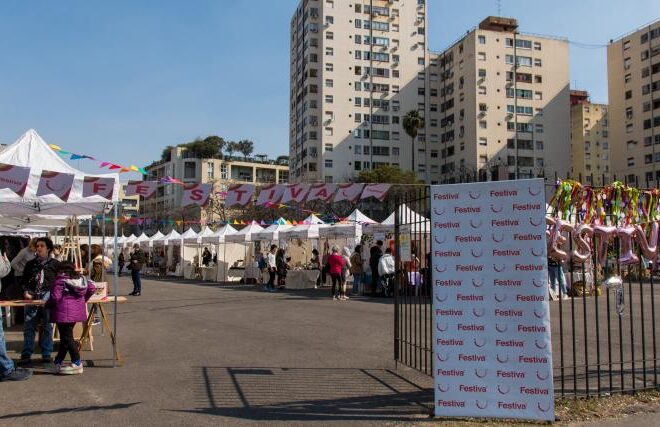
{"points": [[598, 348]]}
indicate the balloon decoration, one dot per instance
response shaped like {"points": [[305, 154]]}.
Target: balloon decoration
{"points": [[588, 217]]}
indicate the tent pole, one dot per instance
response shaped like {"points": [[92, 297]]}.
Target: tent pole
{"points": [[89, 249], [115, 286]]}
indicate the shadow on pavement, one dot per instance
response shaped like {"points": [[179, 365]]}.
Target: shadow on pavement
{"points": [[312, 394], [70, 410]]}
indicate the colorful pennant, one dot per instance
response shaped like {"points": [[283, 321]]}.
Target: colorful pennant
{"points": [[102, 164]]}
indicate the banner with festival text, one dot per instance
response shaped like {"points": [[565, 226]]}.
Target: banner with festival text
{"points": [[56, 183], [350, 192], [239, 195], [378, 191], [98, 186], [145, 189], [323, 192], [196, 194], [492, 338], [14, 178], [271, 193], [295, 193]]}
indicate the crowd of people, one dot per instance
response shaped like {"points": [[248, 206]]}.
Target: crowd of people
{"points": [[62, 290]]}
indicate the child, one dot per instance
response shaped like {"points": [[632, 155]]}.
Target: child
{"points": [[67, 306]]}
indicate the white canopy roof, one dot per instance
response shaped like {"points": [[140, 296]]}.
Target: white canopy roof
{"points": [[271, 233], [313, 219], [30, 150], [197, 239], [143, 238], [359, 217], [417, 222], [130, 239], [172, 235], [219, 235], [150, 242], [353, 229], [245, 235], [189, 233]]}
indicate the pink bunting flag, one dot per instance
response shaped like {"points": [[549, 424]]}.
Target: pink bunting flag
{"points": [[240, 194], [271, 193], [141, 188], [14, 178], [104, 164], [349, 192], [56, 183], [321, 192], [378, 191], [98, 186]]}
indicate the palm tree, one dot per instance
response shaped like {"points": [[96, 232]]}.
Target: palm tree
{"points": [[230, 147], [245, 147], [412, 122]]}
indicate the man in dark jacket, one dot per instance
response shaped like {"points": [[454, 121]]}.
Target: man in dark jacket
{"points": [[135, 265], [374, 258], [38, 277]]}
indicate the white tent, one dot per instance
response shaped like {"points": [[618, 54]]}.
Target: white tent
{"points": [[163, 241], [358, 217], [343, 230], [219, 235], [313, 219], [305, 231], [415, 221], [197, 239], [150, 243], [245, 235], [130, 240], [188, 234], [143, 239], [271, 233], [30, 150]]}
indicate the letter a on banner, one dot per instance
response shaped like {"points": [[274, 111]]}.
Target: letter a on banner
{"points": [[141, 188], [14, 178], [271, 193], [196, 194], [55, 183], [97, 186], [295, 193], [349, 192], [240, 194], [322, 192], [379, 191]]}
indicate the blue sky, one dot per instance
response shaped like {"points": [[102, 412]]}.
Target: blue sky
{"points": [[120, 80]]}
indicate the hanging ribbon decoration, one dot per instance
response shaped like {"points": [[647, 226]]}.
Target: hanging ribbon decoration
{"points": [[102, 164]]}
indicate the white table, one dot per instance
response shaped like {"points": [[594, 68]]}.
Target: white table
{"points": [[302, 279]]}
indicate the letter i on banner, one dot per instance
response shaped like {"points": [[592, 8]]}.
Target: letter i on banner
{"points": [[271, 193], [491, 316]]}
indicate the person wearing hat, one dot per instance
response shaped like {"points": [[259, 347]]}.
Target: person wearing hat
{"points": [[135, 265]]}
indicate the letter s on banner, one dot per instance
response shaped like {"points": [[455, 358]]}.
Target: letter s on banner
{"points": [[196, 194], [240, 194], [97, 186]]}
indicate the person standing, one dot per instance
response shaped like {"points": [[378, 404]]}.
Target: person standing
{"points": [[315, 264], [136, 263], [386, 271], [67, 305], [282, 267], [272, 267], [18, 264], [8, 372], [345, 272], [38, 278], [335, 265], [357, 269], [206, 257], [121, 262], [375, 254]]}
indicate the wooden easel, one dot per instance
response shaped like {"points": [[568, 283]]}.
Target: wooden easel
{"points": [[71, 244]]}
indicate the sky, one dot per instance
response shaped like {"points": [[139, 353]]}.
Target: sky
{"points": [[120, 80]]}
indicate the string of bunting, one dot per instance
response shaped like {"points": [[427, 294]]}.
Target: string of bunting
{"points": [[102, 164]]}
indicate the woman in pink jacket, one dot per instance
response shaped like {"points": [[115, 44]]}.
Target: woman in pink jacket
{"points": [[335, 264], [68, 297]]}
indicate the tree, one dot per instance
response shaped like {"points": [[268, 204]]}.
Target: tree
{"points": [[412, 122], [245, 147], [166, 155], [202, 149], [282, 160], [231, 147], [387, 175], [217, 141]]}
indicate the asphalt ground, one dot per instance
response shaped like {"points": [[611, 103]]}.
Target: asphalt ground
{"points": [[196, 353]]}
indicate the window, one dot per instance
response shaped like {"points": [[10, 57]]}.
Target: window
{"points": [[627, 63], [629, 128], [329, 99], [482, 90], [420, 61], [189, 170], [631, 161], [538, 96], [328, 147], [482, 73], [358, 117], [629, 113], [483, 141], [357, 39], [329, 51], [329, 20], [483, 124], [358, 165], [626, 45], [627, 78], [358, 22], [482, 39], [358, 101], [537, 62], [628, 94], [328, 163], [358, 54], [481, 56], [329, 83], [328, 131], [538, 79], [329, 66], [210, 169], [329, 35], [539, 145], [537, 46], [525, 61]]}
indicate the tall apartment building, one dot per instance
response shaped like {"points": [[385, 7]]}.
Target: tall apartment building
{"points": [[499, 105], [183, 165], [590, 151], [357, 67], [633, 71]]}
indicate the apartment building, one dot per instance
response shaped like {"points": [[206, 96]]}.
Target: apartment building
{"points": [[499, 105], [357, 67], [590, 151], [182, 164], [633, 71]]}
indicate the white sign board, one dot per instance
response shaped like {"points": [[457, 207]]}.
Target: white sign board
{"points": [[405, 250], [492, 323]]}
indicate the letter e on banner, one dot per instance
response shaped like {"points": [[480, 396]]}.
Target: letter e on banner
{"points": [[97, 186], [14, 178], [56, 183], [196, 194], [239, 194]]}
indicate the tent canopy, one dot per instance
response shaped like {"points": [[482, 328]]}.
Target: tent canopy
{"points": [[245, 235], [196, 240], [150, 243], [271, 233], [30, 150], [417, 222], [313, 219], [163, 241], [358, 217], [341, 230], [305, 231], [189, 233], [219, 235]]}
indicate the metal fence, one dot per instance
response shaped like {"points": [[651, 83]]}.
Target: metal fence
{"points": [[604, 338]]}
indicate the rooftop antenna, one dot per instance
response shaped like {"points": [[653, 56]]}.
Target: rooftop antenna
{"points": [[499, 7]]}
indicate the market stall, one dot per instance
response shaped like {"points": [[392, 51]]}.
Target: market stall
{"points": [[246, 270], [197, 270], [225, 255]]}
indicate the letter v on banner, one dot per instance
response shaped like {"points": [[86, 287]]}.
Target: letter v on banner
{"points": [[322, 192], [240, 194], [196, 194], [295, 193], [350, 192], [271, 193]]}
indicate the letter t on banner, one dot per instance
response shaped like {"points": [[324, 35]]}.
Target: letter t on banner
{"points": [[240, 194], [196, 194]]}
